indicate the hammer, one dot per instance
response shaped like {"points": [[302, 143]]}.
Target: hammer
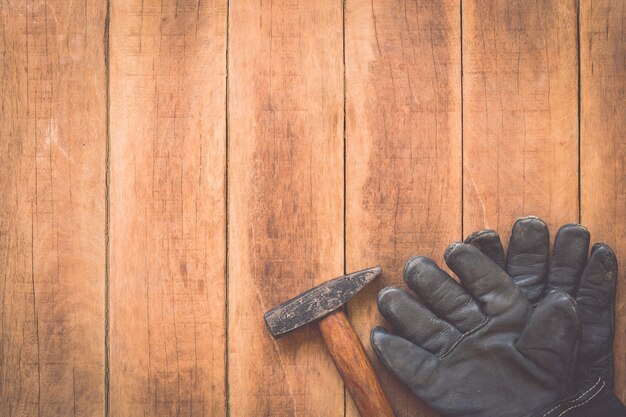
{"points": [[324, 303]]}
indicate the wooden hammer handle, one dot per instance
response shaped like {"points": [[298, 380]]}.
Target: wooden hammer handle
{"points": [[354, 366]]}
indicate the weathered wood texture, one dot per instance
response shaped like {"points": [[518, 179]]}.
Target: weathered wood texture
{"points": [[52, 244], [603, 145], [403, 143], [167, 208], [285, 199], [53, 124], [458, 116], [520, 112]]}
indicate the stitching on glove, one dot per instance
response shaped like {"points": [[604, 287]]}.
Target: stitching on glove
{"points": [[574, 399], [474, 330], [584, 402], [578, 398]]}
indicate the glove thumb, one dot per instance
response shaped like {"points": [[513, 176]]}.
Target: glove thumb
{"points": [[411, 364], [549, 339]]}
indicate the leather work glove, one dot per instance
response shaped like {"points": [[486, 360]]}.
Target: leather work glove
{"points": [[591, 281], [474, 349]]}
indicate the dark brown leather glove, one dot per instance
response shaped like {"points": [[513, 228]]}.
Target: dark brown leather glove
{"points": [[591, 281], [475, 349]]}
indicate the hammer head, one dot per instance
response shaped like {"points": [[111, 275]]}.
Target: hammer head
{"points": [[317, 302]]}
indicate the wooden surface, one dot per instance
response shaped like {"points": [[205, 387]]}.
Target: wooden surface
{"points": [[603, 145], [52, 209], [167, 208], [285, 182], [403, 149], [172, 169], [520, 113]]}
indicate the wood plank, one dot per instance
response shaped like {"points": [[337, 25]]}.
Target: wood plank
{"points": [[603, 145], [520, 112], [52, 210], [285, 199], [167, 208], [403, 133]]}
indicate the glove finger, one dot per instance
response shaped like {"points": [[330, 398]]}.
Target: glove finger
{"points": [[413, 365], [596, 300], [416, 323], [549, 339], [569, 257], [488, 242], [527, 257], [485, 280], [443, 295]]}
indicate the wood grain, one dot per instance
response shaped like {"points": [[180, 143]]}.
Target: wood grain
{"points": [[354, 366], [520, 129], [603, 145], [431, 154], [403, 142], [285, 199], [52, 211], [167, 208]]}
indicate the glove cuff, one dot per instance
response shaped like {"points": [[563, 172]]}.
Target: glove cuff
{"points": [[596, 400]]}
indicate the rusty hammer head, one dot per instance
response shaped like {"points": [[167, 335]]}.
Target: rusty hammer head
{"points": [[317, 302]]}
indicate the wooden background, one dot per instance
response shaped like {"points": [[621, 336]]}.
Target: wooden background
{"points": [[170, 169]]}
